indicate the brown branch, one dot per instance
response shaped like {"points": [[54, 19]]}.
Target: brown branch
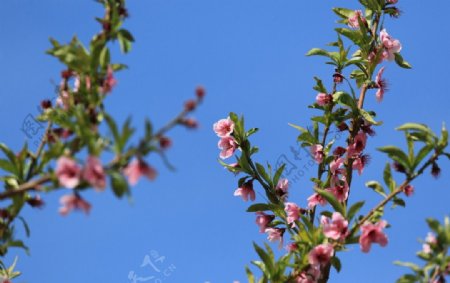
{"points": [[29, 186]]}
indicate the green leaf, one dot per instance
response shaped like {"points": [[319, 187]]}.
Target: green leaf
{"points": [[7, 166], [422, 128], [264, 257], [396, 154], [387, 176], [261, 207], [366, 115], [250, 276], [331, 200], [319, 86], [377, 187], [278, 174], [124, 41], [301, 129], [423, 152], [402, 63], [408, 278], [25, 225], [354, 209], [262, 172], [398, 201], [343, 12], [105, 57], [319, 52], [336, 263], [119, 184], [410, 265]]}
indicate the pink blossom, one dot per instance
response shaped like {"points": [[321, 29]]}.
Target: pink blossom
{"points": [[335, 228], [94, 174], [63, 99], [283, 185], [110, 82], [335, 164], [358, 145], [311, 275], [390, 44], [138, 168], [275, 234], [353, 20], [293, 212], [321, 254], [340, 190], [68, 172], [228, 146], [246, 191], [262, 220], [408, 190], [381, 84], [429, 241], [224, 127], [317, 152], [316, 199], [71, 202], [360, 162], [323, 99], [372, 233]]}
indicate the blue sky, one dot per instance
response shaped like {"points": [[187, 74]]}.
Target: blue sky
{"points": [[250, 57]]}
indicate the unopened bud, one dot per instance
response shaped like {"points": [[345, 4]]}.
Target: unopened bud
{"points": [[338, 78], [165, 142], [190, 123], [36, 202], [45, 104], [435, 170], [66, 74], [190, 105], [200, 92]]}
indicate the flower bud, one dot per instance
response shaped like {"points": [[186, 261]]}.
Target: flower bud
{"points": [[46, 104], [338, 78], [190, 123], [190, 105], [165, 142], [435, 170], [398, 167], [200, 92], [36, 202]]}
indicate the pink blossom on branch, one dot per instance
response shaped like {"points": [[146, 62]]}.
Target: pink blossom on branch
{"points": [[293, 212], [138, 168], [320, 255], [94, 173], [228, 146], [390, 44], [335, 228], [224, 127], [68, 172], [275, 234], [323, 99], [316, 199], [353, 20], [262, 220], [317, 152], [311, 275], [381, 85], [73, 202], [372, 233], [340, 190], [358, 145], [246, 191]]}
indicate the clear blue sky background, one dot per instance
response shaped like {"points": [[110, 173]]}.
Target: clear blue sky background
{"points": [[250, 57]]}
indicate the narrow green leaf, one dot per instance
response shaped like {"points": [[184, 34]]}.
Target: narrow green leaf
{"points": [[331, 200], [119, 184], [261, 207], [402, 63], [354, 209]]}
